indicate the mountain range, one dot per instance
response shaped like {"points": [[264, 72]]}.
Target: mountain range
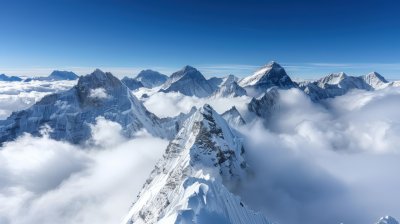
{"points": [[205, 160]]}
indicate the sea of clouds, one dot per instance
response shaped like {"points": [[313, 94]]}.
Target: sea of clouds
{"points": [[16, 96], [330, 162]]}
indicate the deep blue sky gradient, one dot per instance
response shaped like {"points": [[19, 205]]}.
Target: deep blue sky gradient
{"points": [[236, 35]]}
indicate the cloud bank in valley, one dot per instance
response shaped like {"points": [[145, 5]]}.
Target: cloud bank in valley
{"points": [[16, 96], [48, 181], [312, 163], [315, 163], [327, 163], [171, 104]]}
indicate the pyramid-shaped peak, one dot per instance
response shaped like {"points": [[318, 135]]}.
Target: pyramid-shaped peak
{"points": [[273, 64], [377, 75], [97, 79], [188, 68], [97, 71]]}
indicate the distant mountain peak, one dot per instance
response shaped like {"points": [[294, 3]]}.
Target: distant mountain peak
{"points": [[131, 83], [377, 76], [273, 64], [188, 68], [150, 78], [188, 81], [62, 75], [6, 78], [267, 76]]}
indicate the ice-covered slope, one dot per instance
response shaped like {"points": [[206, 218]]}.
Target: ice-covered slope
{"points": [[150, 78], [70, 113], [229, 88], [387, 220], [269, 75], [339, 84], [187, 184], [233, 117], [188, 81]]}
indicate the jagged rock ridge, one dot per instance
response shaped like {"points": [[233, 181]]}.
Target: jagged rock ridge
{"points": [[186, 185]]}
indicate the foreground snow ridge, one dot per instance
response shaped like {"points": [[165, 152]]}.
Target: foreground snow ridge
{"points": [[187, 184], [387, 220]]}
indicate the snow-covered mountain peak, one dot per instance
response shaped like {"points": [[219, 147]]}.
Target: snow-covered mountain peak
{"points": [[186, 71], [229, 88], [150, 78], [98, 79], [333, 79], [376, 75], [387, 220], [70, 113], [233, 117], [187, 184], [375, 80], [273, 64], [188, 81], [267, 76], [62, 75]]}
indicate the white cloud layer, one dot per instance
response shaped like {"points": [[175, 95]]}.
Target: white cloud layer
{"points": [[48, 181], [327, 164], [16, 96], [313, 163], [171, 104]]}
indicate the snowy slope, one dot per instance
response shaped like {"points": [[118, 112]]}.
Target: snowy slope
{"points": [[188, 81], [339, 84], [70, 113], [187, 184], [229, 88], [233, 117]]}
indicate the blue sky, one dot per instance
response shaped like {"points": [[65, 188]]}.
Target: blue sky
{"points": [[311, 38]]}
